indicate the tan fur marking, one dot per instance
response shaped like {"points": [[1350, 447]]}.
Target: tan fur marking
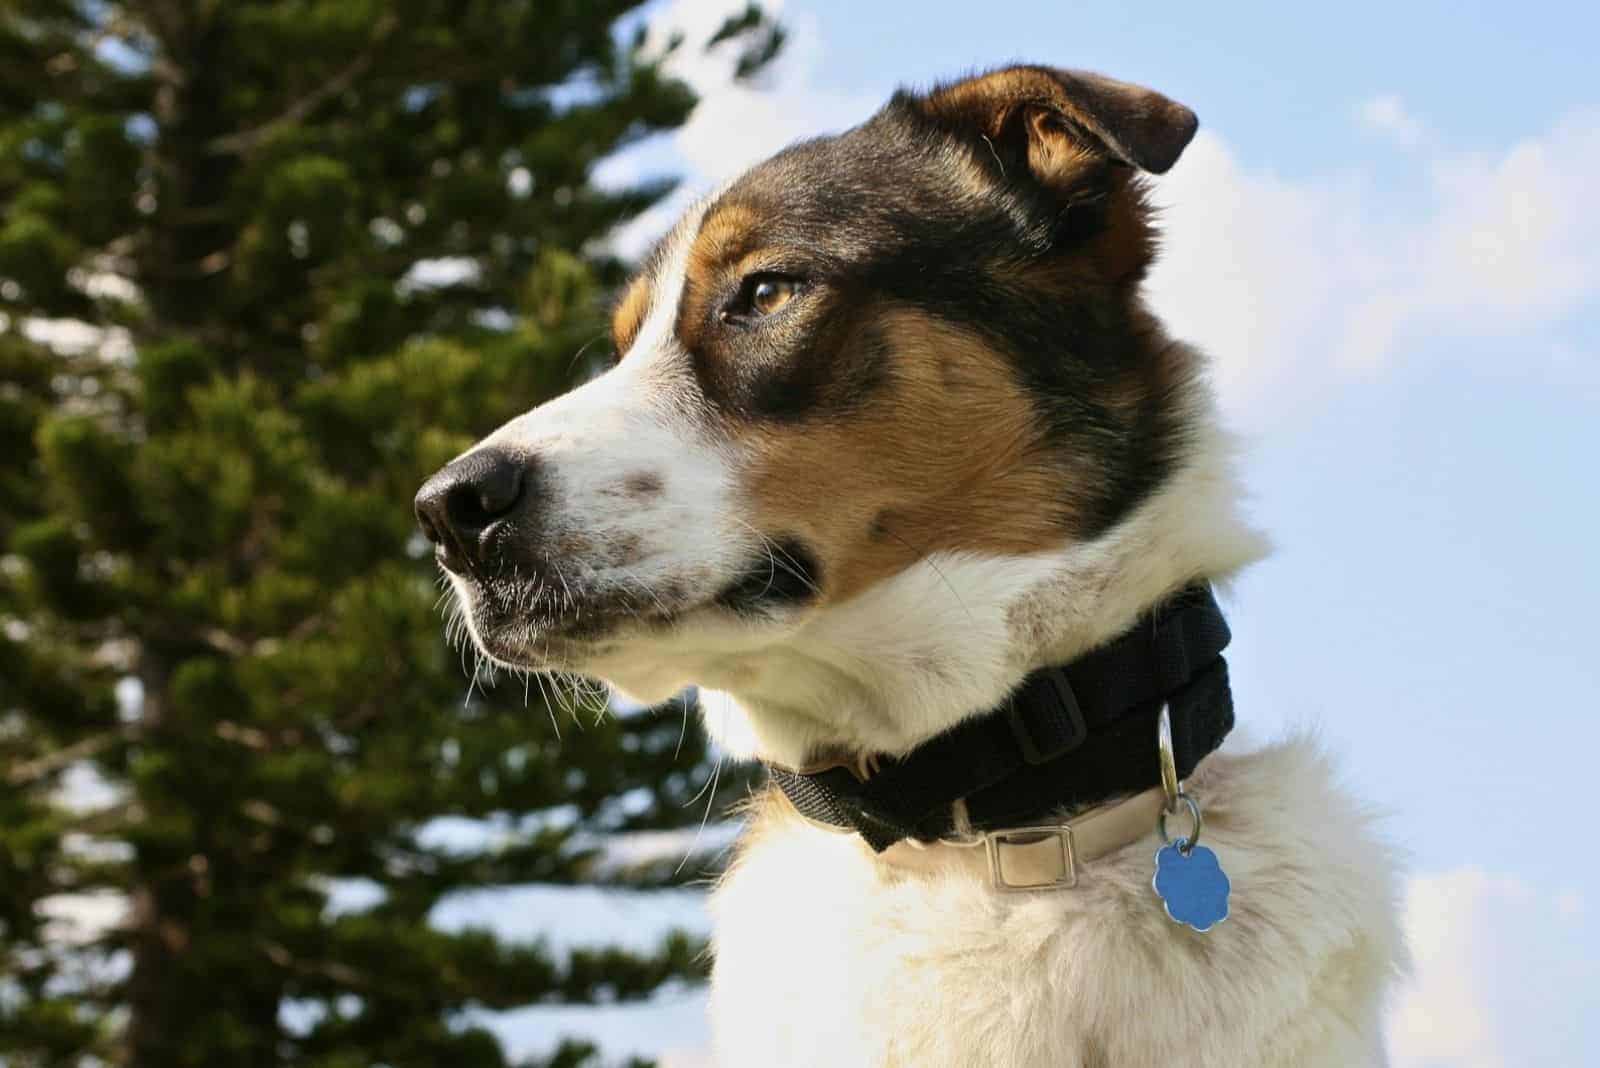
{"points": [[624, 549], [724, 237], [1028, 103], [991, 98], [1137, 125], [572, 544], [1032, 98], [949, 457], [643, 484], [629, 314], [1054, 154]]}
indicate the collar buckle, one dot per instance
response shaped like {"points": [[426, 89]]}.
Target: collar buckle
{"points": [[1023, 859]]}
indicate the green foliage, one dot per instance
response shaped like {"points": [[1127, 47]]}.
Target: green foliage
{"points": [[213, 603]]}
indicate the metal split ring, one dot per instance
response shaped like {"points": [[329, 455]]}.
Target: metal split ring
{"points": [[1169, 764], [1192, 839]]}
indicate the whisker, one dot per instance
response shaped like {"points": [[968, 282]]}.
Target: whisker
{"points": [[628, 572], [926, 557], [565, 589], [683, 729], [583, 349], [477, 665], [549, 705], [716, 777]]}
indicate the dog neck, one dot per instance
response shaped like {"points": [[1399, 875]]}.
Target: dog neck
{"points": [[953, 634]]}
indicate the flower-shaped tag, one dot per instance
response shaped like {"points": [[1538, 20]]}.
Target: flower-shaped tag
{"points": [[1193, 886]]}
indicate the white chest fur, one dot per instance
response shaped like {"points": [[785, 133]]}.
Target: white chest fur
{"points": [[828, 956]]}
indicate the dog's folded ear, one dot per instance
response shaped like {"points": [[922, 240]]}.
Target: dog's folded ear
{"points": [[1055, 121]]}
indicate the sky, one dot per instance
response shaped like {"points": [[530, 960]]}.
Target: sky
{"points": [[1383, 236]]}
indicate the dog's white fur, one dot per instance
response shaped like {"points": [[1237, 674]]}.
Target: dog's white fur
{"points": [[826, 954], [829, 955]]}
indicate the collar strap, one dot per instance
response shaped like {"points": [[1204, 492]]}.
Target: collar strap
{"points": [[1069, 737], [1038, 858]]}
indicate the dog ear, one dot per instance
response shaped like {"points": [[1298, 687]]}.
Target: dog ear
{"points": [[1056, 121]]}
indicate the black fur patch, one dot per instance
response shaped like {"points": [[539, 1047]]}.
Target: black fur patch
{"points": [[789, 575], [887, 213]]}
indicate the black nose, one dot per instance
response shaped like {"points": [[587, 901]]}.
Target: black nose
{"points": [[465, 498]]}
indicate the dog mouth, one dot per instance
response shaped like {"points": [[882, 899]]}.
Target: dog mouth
{"points": [[785, 574], [556, 620], [537, 622]]}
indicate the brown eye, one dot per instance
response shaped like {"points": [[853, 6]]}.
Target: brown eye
{"points": [[763, 294], [770, 294]]}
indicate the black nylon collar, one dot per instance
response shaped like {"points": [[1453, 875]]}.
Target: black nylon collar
{"points": [[1068, 737]]}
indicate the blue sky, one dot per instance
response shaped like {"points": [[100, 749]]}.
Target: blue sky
{"points": [[1384, 236]]}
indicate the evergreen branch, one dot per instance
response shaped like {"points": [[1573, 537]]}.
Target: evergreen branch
{"points": [[340, 974], [244, 142], [104, 821], [168, 19], [33, 771], [223, 642]]}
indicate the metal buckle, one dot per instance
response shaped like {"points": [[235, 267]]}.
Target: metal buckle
{"points": [[1017, 837]]}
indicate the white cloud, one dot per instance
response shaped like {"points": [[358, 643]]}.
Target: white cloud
{"points": [[1254, 268], [1516, 240], [1504, 976], [1386, 114], [1292, 285], [735, 124]]}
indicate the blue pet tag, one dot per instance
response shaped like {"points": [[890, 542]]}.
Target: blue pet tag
{"points": [[1192, 885]]}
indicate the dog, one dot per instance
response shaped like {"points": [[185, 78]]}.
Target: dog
{"points": [[892, 443]]}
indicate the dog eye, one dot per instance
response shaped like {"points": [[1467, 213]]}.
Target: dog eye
{"points": [[762, 294], [769, 294]]}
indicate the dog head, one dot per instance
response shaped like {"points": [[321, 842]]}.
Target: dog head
{"points": [[870, 398]]}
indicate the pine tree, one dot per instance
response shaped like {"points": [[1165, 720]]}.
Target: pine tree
{"points": [[211, 590]]}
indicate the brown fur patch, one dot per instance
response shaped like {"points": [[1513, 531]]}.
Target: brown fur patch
{"points": [[952, 457], [572, 544], [1062, 125], [725, 237], [1054, 109], [629, 314], [642, 484], [624, 549]]}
